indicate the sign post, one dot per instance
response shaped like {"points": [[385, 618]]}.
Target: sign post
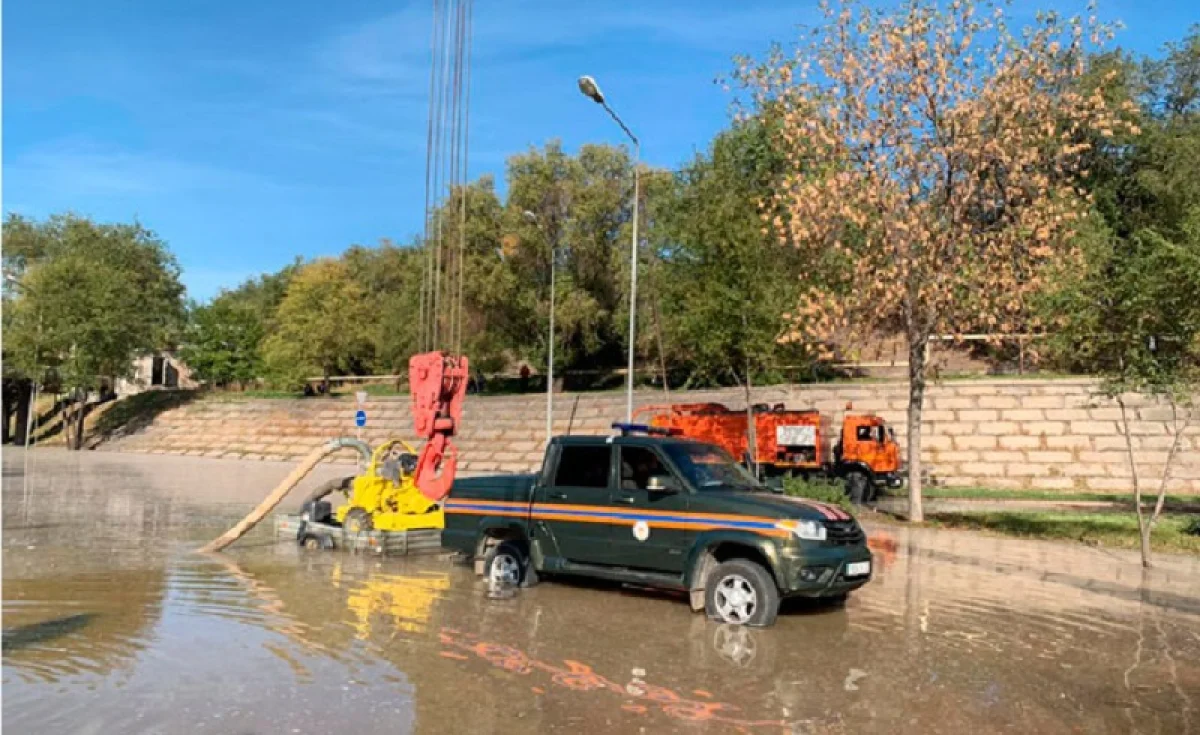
{"points": [[360, 416]]}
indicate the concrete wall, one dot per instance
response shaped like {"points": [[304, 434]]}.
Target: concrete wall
{"points": [[1053, 435]]}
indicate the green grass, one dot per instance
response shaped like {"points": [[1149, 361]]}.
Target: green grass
{"points": [[992, 493], [1037, 495], [832, 492], [251, 394], [133, 413], [1032, 375], [1118, 530]]}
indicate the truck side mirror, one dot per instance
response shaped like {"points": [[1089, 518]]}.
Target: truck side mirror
{"points": [[662, 484]]}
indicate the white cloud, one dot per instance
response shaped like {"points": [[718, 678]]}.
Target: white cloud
{"points": [[390, 54]]}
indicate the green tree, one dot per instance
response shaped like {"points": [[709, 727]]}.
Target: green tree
{"points": [[926, 165], [583, 212], [725, 283], [91, 297], [262, 295], [1131, 313], [491, 297], [322, 326], [222, 341]]}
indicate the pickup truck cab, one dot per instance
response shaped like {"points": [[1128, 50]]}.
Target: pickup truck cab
{"points": [[661, 512]]}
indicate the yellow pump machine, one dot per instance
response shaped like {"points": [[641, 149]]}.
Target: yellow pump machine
{"points": [[385, 496], [401, 490]]}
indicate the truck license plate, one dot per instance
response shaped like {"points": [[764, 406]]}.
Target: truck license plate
{"points": [[858, 568]]}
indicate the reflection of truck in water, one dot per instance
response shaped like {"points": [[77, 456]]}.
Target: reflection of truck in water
{"points": [[863, 452], [661, 512]]}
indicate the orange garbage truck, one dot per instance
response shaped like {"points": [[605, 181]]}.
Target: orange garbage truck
{"points": [[863, 451]]}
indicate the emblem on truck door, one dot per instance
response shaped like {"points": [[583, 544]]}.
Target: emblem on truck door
{"points": [[641, 530]]}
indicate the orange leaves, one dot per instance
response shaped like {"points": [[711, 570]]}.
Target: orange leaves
{"points": [[920, 162]]}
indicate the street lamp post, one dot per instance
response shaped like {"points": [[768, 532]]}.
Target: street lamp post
{"points": [[590, 89], [531, 217]]}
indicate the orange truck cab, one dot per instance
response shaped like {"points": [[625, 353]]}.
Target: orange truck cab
{"points": [[794, 443]]}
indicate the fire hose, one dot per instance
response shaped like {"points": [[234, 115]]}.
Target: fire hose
{"points": [[283, 488]]}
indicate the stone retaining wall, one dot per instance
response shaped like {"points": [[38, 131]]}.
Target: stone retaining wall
{"points": [[1052, 435]]}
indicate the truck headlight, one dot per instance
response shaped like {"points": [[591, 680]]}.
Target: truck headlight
{"points": [[806, 530]]}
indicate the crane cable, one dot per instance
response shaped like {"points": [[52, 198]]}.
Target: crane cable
{"points": [[463, 197], [442, 284]]}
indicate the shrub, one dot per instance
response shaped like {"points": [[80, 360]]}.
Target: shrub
{"points": [[820, 489]]}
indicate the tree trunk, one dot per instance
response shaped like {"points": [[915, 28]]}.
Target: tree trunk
{"points": [[9, 408], [23, 409], [1179, 429], [80, 418], [662, 355], [1143, 526], [73, 419], [916, 403], [68, 423]]}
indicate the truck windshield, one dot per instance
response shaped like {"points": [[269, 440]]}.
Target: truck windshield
{"points": [[710, 468]]}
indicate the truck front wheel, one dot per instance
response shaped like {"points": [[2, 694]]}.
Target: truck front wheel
{"points": [[505, 565], [741, 592]]}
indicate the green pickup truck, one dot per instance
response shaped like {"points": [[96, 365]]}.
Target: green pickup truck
{"points": [[660, 512]]}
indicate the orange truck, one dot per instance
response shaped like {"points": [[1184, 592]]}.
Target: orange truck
{"points": [[864, 453]]}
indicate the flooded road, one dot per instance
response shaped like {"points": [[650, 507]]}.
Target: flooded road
{"points": [[113, 625]]}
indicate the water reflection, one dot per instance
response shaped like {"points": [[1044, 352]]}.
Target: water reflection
{"points": [[24, 636], [73, 624]]}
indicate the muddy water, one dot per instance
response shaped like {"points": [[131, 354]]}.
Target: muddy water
{"points": [[113, 625]]}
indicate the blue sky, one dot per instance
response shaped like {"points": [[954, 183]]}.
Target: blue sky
{"points": [[247, 133]]}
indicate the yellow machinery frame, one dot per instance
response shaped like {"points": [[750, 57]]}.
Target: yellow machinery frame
{"points": [[382, 504]]}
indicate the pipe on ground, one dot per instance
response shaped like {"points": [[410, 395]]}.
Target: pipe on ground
{"points": [[282, 489]]}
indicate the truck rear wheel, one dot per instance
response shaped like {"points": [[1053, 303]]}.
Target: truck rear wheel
{"points": [[741, 592], [858, 487]]}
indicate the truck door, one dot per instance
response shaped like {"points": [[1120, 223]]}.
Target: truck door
{"points": [[643, 538], [568, 507]]}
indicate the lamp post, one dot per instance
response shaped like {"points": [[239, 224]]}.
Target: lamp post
{"points": [[533, 218], [590, 89]]}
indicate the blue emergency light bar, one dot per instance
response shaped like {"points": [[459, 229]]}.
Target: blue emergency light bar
{"points": [[627, 429]]}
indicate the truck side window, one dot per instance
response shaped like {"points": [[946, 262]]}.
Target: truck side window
{"points": [[638, 464], [863, 433], [583, 466]]}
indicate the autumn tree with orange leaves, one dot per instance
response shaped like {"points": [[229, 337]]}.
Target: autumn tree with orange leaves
{"points": [[933, 162]]}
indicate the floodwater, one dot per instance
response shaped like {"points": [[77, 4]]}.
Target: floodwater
{"points": [[113, 625]]}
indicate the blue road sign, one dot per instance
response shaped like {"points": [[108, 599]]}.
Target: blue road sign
{"points": [[360, 418]]}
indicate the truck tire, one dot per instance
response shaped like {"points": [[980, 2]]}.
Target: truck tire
{"points": [[741, 592], [357, 521], [858, 486], [505, 564]]}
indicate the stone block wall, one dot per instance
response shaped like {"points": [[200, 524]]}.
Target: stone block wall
{"points": [[1050, 435]]}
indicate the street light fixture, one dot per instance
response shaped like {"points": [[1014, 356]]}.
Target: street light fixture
{"points": [[533, 218], [591, 90]]}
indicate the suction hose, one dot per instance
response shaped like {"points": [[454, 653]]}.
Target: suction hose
{"points": [[282, 489]]}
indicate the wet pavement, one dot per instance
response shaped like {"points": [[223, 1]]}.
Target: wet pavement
{"points": [[113, 625]]}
